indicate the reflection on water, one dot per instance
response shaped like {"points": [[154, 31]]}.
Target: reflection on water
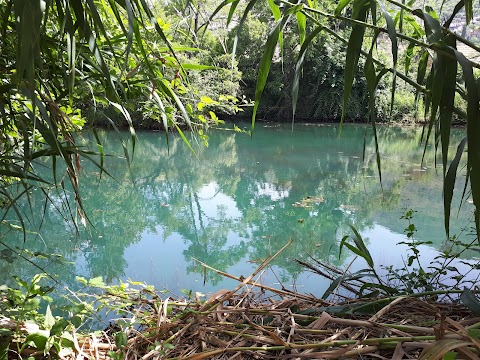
{"points": [[237, 202]]}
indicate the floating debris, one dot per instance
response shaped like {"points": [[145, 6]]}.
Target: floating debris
{"points": [[308, 201]]}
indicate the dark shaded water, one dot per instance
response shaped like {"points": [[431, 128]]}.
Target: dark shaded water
{"points": [[239, 201]]}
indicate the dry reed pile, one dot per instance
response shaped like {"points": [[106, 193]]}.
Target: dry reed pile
{"points": [[258, 322]]}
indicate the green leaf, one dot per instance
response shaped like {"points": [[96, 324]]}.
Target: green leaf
{"points": [[265, 63], [58, 327], [121, 339], [169, 92], [49, 319], [470, 301], [163, 114], [76, 321], [447, 101], [372, 83], [473, 129], [231, 12], [239, 28], [408, 56], [198, 67], [302, 26], [38, 340], [468, 10], [96, 282], [299, 67], [341, 5], [433, 30], [449, 185], [354, 48], [277, 14]]}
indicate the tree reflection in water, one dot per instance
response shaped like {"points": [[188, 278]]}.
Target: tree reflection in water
{"points": [[236, 203]]}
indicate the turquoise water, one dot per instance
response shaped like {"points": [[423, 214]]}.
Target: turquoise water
{"points": [[237, 201]]}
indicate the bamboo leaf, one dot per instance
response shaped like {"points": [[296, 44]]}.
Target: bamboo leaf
{"points": [[354, 48], [433, 30], [277, 14], [198, 67], [447, 101], [392, 33], [299, 67], [267, 56], [169, 92], [449, 185], [163, 114], [302, 26], [473, 129], [239, 28], [341, 5], [127, 117], [468, 10], [185, 140], [408, 56], [231, 12], [372, 83]]}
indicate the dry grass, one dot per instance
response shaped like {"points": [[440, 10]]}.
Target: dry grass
{"points": [[267, 324], [253, 321]]}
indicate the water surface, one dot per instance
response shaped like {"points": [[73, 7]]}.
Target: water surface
{"points": [[237, 201]]}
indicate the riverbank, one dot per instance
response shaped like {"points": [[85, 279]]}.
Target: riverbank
{"points": [[256, 321]]}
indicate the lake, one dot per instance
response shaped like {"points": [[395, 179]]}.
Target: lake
{"points": [[237, 201]]}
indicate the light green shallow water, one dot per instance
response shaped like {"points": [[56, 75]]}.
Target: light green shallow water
{"points": [[234, 204]]}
